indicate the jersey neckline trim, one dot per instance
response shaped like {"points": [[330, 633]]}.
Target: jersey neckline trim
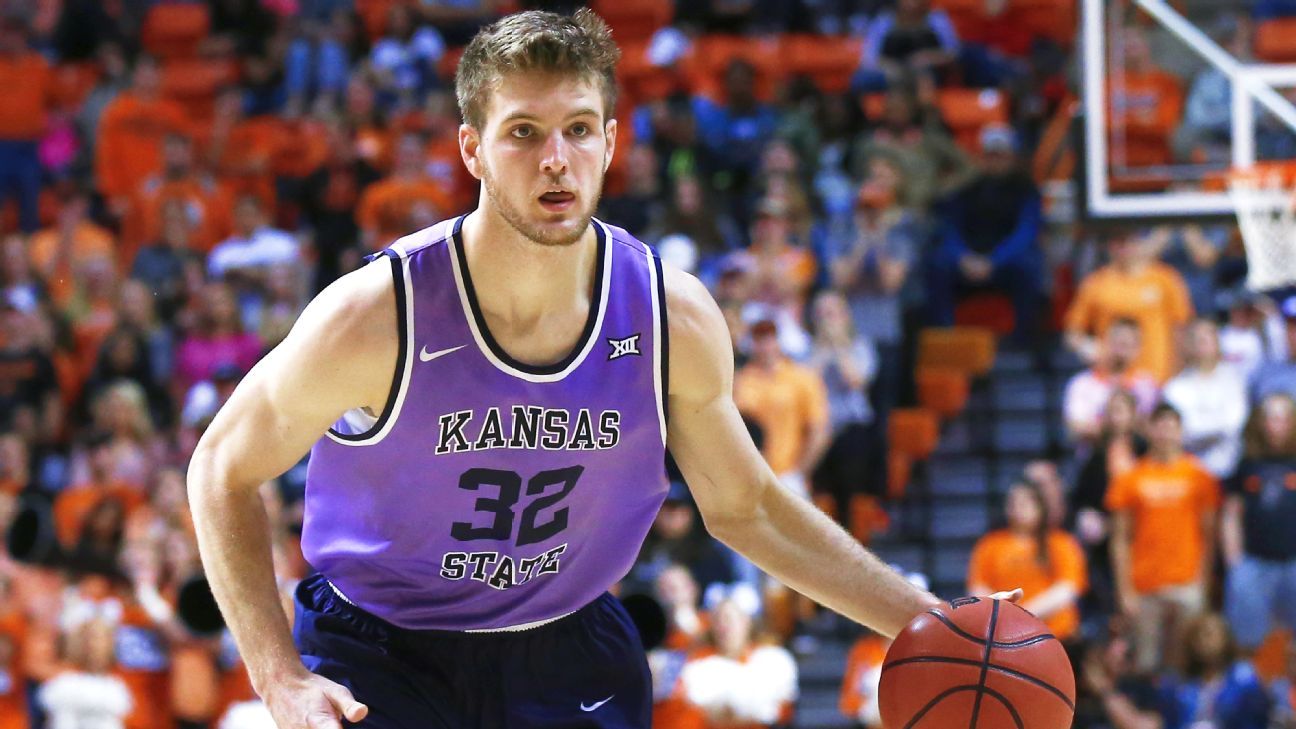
{"points": [[492, 350]]}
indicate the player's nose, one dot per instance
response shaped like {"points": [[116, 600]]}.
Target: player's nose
{"points": [[553, 160]]}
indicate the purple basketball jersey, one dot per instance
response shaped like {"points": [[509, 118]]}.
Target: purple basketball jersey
{"points": [[490, 493]]}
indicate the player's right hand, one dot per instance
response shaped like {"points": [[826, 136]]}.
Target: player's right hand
{"points": [[310, 701]]}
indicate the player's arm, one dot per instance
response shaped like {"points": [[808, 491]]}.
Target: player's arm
{"points": [[740, 499], [340, 354]]}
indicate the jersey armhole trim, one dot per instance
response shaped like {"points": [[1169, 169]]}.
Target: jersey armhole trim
{"points": [[404, 360], [661, 339]]}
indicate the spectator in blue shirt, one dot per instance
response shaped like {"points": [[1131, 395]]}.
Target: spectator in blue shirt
{"points": [[1215, 690], [911, 40], [736, 131], [990, 237]]}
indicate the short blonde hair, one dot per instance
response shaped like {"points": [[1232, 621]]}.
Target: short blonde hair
{"points": [[536, 40]]}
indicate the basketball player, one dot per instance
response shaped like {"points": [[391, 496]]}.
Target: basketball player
{"points": [[487, 406]]}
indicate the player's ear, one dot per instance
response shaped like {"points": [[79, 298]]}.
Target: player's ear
{"points": [[609, 134], [470, 149]]}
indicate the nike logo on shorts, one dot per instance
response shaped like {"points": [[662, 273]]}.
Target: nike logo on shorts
{"points": [[596, 704], [426, 356]]}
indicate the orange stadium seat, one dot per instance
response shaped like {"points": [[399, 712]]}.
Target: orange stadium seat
{"points": [[634, 19], [1275, 40], [373, 16], [449, 63], [968, 110], [829, 60], [991, 310], [193, 82], [968, 349], [913, 432], [641, 80], [1056, 20], [943, 390], [867, 517], [174, 29], [873, 105], [899, 470], [711, 54]]}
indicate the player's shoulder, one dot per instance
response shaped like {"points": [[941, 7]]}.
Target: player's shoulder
{"points": [[690, 309], [356, 310], [423, 240]]}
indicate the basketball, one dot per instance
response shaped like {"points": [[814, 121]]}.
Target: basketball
{"points": [[981, 664]]}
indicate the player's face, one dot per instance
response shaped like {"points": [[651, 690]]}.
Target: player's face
{"points": [[1023, 509], [1166, 433], [542, 154], [1278, 421]]}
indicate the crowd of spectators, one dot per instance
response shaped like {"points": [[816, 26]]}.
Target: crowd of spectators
{"points": [[168, 213]]}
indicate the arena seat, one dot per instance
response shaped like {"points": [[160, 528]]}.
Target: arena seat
{"points": [[1275, 40], [642, 80], [866, 518], [913, 432], [633, 20], [990, 309], [174, 29], [943, 390], [448, 64], [968, 349], [829, 60], [966, 111], [373, 16], [705, 64], [193, 83]]}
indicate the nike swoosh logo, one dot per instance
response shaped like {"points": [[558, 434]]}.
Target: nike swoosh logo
{"points": [[595, 705], [426, 356]]}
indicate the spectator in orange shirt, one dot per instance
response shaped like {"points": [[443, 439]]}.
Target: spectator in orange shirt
{"points": [[59, 253], [1163, 537], [1133, 285], [782, 271], [86, 693], [75, 504], [788, 402], [1048, 564], [859, 687], [1146, 105], [329, 198], [13, 679], [203, 201], [242, 149], [25, 88], [403, 203], [741, 682], [131, 132]]}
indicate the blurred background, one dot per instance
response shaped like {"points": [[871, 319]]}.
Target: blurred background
{"points": [[987, 373]]}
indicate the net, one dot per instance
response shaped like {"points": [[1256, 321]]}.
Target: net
{"points": [[1264, 197]]}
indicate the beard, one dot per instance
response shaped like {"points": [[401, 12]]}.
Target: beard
{"points": [[535, 232]]}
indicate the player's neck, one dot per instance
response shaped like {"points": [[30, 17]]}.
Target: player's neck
{"points": [[517, 277]]}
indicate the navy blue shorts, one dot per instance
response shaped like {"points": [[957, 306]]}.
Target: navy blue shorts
{"points": [[585, 670]]}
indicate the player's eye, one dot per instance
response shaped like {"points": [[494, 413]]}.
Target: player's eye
{"points": [[522, 132], [582, 129]]}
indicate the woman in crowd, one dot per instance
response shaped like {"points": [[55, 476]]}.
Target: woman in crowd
{"points": [[847, 363], [1214, 689], [1047, 564], [739, 681], [1257, 538], [1119, 446], [219, 340]]}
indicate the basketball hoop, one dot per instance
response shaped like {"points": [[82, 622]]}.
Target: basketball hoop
{"points": [[1264, 197]]}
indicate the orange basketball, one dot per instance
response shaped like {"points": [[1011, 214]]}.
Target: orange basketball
{"points": [[979, 664]]}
